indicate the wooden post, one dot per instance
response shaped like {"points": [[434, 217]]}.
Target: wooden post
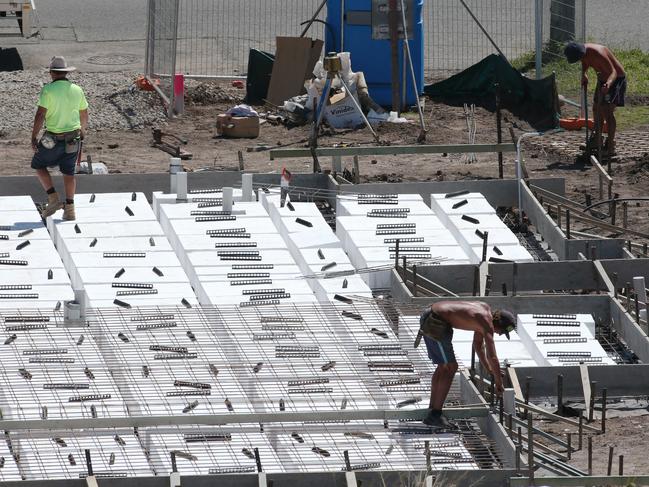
{"points": [[560, 409], [625, 216], [559, 216], [357, 171], [613, 210], [499, 131], [569, 450], [414, 280], [485, 241], [396, 254], [530, 449], [581, 429], [240, 156], [621, 466], [568, 223], [590, 455], [591, 411], [610, 461]]}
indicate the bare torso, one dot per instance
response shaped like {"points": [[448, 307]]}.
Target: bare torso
{"points": [[466, 315], [602, 60]]}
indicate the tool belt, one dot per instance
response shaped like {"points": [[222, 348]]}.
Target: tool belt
{"points": [[71, 139], [66, 136]]}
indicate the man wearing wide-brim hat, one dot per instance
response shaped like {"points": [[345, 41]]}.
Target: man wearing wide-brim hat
{"points": [[63, 108]]}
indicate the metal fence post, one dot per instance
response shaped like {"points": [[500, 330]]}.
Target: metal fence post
{"points": [[583, 21], [173, 56], [538, 37]]}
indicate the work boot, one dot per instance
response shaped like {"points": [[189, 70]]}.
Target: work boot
{"points": [[439, 422], [53, 205], [68, 212]]}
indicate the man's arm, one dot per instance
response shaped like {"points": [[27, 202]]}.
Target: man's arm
{"points": [[613, 76], [39, 119], [83, 117], [584, 76], [492, 359], [478, 346]]}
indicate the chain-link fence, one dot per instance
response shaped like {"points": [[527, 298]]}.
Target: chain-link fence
{"points": [[160, 56], [212, 38], [455, 41]]}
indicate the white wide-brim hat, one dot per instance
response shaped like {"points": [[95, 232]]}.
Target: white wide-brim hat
{"points": [[58, 63]]}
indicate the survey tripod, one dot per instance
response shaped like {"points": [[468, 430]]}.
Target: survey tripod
{"points": [[332, 65]]}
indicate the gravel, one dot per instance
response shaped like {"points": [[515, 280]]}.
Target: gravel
{"points": [[114, 103]]}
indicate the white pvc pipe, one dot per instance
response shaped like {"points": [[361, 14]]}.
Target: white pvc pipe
{"points": [[227, 199], [246, 187], [181, 186]]}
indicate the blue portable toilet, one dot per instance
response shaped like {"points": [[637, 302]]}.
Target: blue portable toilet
{"points": [[361, 27]]}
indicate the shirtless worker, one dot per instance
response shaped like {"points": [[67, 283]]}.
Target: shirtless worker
{"points": [[611, 83], [437, 323]]}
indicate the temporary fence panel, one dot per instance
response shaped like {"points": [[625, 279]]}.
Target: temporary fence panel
{"points": [[215, 36], [520, 28], [160, 56]]}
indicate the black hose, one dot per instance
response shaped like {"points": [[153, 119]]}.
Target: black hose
{"points": [[329, 28], [599, 203]]}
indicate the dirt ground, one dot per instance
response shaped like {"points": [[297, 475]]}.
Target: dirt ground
{"points": [[553, 156], [626, 435]]}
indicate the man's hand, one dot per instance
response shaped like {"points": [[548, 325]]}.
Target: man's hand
{"points": [[604, 88], [499, 388], [584, 80], [34, 144]]}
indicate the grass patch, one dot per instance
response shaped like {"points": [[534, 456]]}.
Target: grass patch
{"points": [[629, 118]]}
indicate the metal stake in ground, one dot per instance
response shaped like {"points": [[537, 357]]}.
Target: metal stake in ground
{"points": [[422, 134]]}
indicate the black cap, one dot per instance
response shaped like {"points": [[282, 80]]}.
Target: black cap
{"points": [[506, 319], [574, 51]]}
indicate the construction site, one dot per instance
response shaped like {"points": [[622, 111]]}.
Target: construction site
{"points": [[262, 216]]}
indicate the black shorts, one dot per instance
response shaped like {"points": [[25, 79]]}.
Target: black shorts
{"points": [[615, 93], [57, 156], [440, 351]]}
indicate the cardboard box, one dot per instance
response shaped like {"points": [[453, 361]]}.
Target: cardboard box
{"points": [[237, 127], [295, 58]]}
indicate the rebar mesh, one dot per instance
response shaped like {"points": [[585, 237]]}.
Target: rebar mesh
{"points": [[181, 362]]}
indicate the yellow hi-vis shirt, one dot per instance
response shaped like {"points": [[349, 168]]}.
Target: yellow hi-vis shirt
{"points": [[63, 100]]}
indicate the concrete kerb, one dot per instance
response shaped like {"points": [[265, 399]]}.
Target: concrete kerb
{"points": [[477, 478], [535, 277], [619, 380]]}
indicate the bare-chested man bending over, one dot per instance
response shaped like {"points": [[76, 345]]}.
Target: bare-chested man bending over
{"points": [[611, 82], [437, 323]]}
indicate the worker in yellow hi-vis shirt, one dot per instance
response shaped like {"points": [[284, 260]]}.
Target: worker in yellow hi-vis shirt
{"points": [[63, 108]]}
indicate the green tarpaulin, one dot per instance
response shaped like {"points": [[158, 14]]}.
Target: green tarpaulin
{"points": [[534, 101]]}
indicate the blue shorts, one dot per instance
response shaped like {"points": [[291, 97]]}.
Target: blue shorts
{"points": [[439, 351], [57, 156]]}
